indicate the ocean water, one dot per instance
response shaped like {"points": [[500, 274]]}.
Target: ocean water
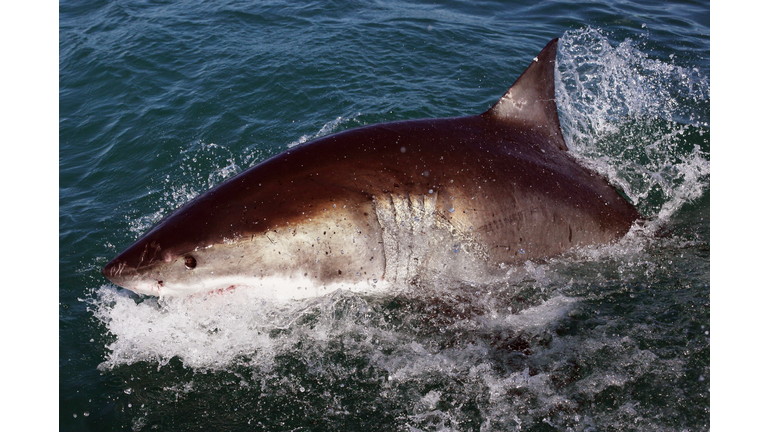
{"points": [[159, 101]]}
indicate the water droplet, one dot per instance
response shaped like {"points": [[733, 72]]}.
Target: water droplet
{"points": [[451, 210], [456, 248], [431, 191], [522, 251], [375, 280]]}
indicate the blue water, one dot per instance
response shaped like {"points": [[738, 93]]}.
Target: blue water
{"points": [[160, 101]]}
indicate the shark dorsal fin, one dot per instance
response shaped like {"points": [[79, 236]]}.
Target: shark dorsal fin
{"points": [[531, 99]]}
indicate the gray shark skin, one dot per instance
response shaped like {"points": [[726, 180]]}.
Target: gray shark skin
{"points": [[389, 203]]}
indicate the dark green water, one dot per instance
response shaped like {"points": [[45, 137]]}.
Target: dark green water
{"points": [[160, 101]]}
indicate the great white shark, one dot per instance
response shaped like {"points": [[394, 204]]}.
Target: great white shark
{"points": [[388, 204]]}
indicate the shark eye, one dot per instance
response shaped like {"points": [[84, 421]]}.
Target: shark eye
{"points": [[190, 262]]}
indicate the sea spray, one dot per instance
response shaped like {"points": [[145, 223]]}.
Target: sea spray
{"points": [[635, 119]]}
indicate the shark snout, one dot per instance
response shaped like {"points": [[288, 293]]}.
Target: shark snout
{"points": [[126, 276]]}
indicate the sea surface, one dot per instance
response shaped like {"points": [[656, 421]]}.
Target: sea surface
{"points": [[160, 101]]}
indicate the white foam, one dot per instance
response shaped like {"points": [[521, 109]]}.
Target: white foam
{"points": [[542, 315], [206, 332], [217, 330]]}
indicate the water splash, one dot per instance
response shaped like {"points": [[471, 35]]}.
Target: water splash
{"points": [[327, 129], [200, 167], [641, 122]]}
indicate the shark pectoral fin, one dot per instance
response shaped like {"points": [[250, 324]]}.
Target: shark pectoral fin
{"points": [[531, 99]]}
